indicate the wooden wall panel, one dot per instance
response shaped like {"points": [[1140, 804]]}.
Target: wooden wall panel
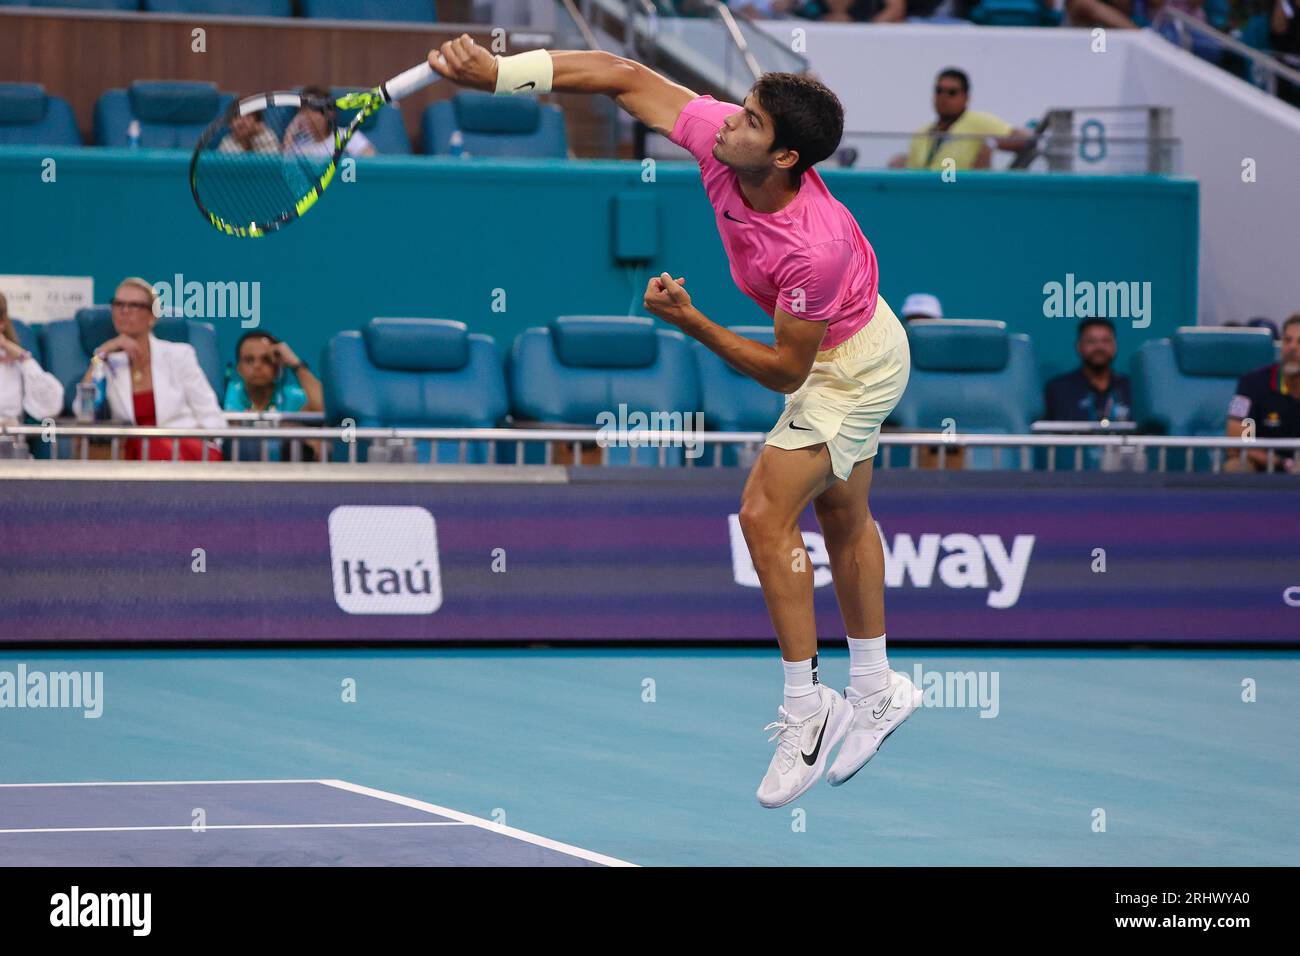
{"points": [[77, 55]]}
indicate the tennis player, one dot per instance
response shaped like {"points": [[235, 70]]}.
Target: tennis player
{"points": [[841, 358]]}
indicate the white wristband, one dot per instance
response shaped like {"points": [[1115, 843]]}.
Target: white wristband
{"points": [[525, 73]]}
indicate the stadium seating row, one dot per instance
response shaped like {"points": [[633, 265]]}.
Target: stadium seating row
{"points": [[436, 373], [419, 11], [171, 114]]}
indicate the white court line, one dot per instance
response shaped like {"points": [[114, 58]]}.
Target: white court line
{"points": [[523, 835], [235, 826]]}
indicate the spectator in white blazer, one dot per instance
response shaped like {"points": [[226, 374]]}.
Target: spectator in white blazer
{"points": [[25, 387], [152, 381]]}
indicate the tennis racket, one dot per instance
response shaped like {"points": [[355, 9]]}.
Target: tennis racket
{"points": [[265, 161]]}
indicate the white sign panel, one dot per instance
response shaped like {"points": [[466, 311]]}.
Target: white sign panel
{"points": [[36, 299], [385, 560]]}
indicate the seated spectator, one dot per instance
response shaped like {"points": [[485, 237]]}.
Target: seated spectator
{"points": [[249, 134], [260, 383], [1284, 38], [1117, 14], [1270, 396], [921, 305], [1094, 391], [308, 133], [153, 382], [1125, 14], [959, 134], [1284, 27], [24, 385]]}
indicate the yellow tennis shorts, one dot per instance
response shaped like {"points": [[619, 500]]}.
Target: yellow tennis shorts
{"points": [[850, 391]]}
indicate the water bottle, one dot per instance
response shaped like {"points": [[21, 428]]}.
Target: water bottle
{"points": [[456, 145], [133, 135], [100, 378], [83, 406]]}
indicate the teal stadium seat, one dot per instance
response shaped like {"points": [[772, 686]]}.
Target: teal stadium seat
{"points": [[495, 126], [69, 343], [582, 366], [172, 113], [416, 11], [976, 373], [31, 117], [227, 8], [416, 373], [1182, 384], [732, 401]]}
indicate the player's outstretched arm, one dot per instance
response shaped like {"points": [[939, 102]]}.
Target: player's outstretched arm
{"points": [[646, 95]]}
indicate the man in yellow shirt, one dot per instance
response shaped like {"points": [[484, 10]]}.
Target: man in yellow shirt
{"points": [[959, 134]]}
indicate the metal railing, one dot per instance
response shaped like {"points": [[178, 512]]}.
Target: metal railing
{"points": [[1110, 140], [1265, 69], [717, 51], [1119, 452]]}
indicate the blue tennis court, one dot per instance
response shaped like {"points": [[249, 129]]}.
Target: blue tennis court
{"points": [[649, 757], [255, 823]]}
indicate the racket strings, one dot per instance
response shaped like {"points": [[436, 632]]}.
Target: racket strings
{"points": [[253, 171]]}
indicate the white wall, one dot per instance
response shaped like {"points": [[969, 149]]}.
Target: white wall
{"points": [[1250, 233]]}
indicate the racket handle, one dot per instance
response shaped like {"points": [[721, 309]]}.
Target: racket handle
{"points": [[404, 84]]}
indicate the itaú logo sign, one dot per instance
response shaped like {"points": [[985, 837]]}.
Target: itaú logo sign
{"points": [[385, 560]]}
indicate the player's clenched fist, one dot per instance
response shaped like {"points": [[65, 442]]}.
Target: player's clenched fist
{"points": [[465, 62], [665, 297]]}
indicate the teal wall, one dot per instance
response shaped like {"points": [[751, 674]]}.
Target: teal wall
{"points": [[434, 237]]}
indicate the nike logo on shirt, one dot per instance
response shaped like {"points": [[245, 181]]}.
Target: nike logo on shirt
{"points": [[727, 215], [800, 428]]}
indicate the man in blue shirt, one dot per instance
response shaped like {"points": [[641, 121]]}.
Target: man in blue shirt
{"points": [[262, 380], [1094, 391], [269, 377]]}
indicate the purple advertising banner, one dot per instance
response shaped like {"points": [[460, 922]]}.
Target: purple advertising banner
{"points": [[607, 557]]}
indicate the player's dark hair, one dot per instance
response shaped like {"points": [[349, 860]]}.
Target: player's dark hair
{"points": [[1083, 326], [1293, 320], [808, 117], [952, 73]]}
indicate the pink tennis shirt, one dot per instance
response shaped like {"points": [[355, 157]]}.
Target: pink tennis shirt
{"points": [[810, 258]]}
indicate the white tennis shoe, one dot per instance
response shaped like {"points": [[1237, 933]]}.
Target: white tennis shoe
{"points": [[802, 747], [875, 717]]}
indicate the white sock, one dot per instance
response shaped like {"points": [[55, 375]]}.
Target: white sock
{"points": [[801, 697], [868, 665]]}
